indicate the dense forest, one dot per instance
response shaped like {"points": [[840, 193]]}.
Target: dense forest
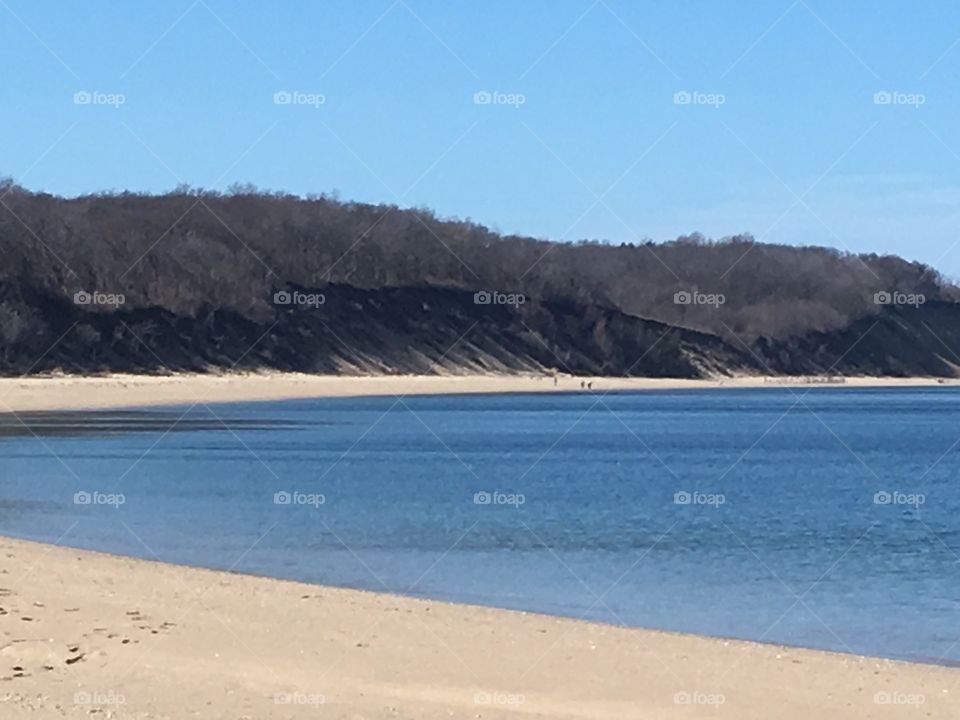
{"points": [[202, 280]]}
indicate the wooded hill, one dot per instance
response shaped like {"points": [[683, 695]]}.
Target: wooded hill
{"points": [[199, 280]]}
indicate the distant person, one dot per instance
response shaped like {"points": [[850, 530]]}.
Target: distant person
{"points": [[582, 384], [590, 385], [554, 380]]}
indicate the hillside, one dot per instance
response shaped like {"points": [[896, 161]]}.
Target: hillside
{"points": [[197, 281]]}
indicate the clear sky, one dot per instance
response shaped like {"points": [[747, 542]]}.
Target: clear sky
{"points": [[581, 128]]}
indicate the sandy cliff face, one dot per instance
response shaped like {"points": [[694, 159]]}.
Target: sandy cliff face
{"points": [[443, 330]]}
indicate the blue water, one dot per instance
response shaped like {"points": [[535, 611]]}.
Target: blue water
{"points": [[785, 540]]}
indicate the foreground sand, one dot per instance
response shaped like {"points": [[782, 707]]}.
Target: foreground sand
{"points": [[89, 635], [70, 392]]}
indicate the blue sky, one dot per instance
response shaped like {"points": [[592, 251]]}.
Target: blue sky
{"points": [[584, 134]]}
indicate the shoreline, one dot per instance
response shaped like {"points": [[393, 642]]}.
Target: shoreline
{"points": [[424, 598], [120, 391], [167, 639]]}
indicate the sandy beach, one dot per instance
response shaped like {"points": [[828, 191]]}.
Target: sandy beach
{"points": [[115, 391], [92, 635]]}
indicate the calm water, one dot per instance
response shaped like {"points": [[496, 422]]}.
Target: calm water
{"points": [[784, 537]]}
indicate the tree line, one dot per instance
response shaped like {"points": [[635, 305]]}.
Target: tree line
{"points": [[188, 251]]}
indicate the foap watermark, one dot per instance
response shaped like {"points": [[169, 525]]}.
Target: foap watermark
{"points": [[895, 697], [298, 299], [495, 97], [695, 97], [695, 297], [895, 297], [895, 497], [95, 97], [296, 97], [314, 500], [299, 698], [695, 697], [98, 298], [98, 697], [497, 697], [683, 497], [895, 97], [499, 498], [495, 297], [96, 497]]}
